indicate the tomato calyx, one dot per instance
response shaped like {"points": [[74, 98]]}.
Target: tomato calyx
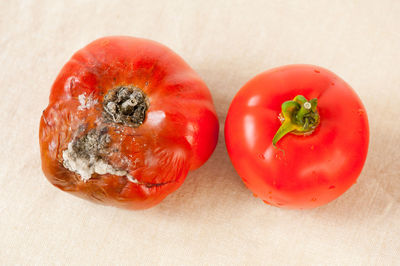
{"points": [[299, 116], [126, 105]]}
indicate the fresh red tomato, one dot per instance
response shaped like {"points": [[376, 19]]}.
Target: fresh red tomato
{"points": [[126, 121], [297, 135]]}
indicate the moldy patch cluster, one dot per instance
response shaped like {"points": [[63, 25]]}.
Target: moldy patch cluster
{"points": [[125, 105]]}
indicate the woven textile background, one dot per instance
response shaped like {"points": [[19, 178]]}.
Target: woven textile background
{"points": [[212, 219]]}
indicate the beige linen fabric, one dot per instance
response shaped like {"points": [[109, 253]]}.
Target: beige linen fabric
{"points": [[212, 219]]}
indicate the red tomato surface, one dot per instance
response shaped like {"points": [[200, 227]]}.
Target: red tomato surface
{"points": [[302, 171], [139, 166]]}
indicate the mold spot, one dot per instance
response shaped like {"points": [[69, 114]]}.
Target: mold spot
{"points": [[125, 105], [85, 155]]}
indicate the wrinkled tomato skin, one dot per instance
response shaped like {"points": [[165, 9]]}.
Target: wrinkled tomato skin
{"points": [[302, 171], [179, 133]]}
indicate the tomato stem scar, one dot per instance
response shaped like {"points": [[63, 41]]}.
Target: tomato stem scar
{"points": [[300, 117], [126, 105]]}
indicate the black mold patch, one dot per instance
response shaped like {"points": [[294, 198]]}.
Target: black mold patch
{"points": [[125, 105]]}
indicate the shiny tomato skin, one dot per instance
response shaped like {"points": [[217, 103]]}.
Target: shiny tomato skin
{"points": [[301, 171], [179, 133]]}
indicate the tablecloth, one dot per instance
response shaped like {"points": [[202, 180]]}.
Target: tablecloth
{"points": [[212, 219]]}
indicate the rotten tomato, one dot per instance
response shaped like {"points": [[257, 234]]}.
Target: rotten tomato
{"points": [[127, 119]]}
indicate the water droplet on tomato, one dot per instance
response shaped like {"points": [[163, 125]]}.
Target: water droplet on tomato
{"points": [[261, 156], [316, 71], [280, 154], [255, 195], [332, 187], [266, 202], [312, 147], [314, 199], [360, 112]]}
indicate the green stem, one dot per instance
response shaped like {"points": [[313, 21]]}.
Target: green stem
{"points": [[300, 117]]}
